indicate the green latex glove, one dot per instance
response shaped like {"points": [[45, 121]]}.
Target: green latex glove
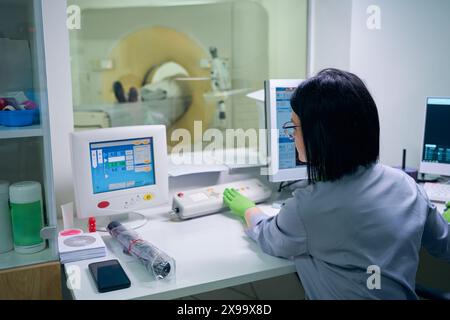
{"points": [[238, 203], [447, 212]]}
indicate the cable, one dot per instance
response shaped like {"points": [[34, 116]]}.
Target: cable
{"points": [[424, 180], [172, 213], [281, 186], [111, 218]]}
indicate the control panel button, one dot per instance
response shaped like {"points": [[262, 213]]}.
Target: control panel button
{"points": [[148, 196], [103, 204]]}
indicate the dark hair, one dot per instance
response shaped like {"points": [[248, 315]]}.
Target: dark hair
{"points": [[340, 125]]}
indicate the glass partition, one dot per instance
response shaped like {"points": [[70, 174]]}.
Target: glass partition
{"points": [[186, 64], [26, 185]]}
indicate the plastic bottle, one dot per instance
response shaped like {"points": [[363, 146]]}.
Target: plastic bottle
{"points": [[27, 216], [158, 263]]}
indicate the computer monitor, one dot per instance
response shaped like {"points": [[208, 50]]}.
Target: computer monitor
{"points": [[436, 138], [282, 154], [119, 170]]}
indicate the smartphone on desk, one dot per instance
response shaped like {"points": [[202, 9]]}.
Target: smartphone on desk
{"points": [[109, 276]]}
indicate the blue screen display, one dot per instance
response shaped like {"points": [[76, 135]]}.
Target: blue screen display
{"points": [[286, 146], [123, 164]]}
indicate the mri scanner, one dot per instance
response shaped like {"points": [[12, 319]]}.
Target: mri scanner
{"points": [[178, 82]]}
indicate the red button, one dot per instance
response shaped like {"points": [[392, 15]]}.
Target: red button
{"points": [[180, 194], [103, 204]]}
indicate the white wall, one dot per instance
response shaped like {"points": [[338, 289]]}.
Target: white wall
{"points": [[402, 63], [330, 32]]}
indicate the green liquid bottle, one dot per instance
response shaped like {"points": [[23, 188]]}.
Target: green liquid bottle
{"points": [[27, 216]]}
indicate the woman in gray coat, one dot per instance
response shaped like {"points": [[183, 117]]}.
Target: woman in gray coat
{"points": [[356, 230]]}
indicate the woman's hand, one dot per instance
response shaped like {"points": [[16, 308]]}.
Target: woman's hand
{"points": [[238, 203]]}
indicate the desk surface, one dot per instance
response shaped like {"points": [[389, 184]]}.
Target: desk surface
{"points": [[211, 253]]}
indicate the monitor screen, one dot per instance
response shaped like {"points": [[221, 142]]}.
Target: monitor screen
{"points": [[288, 155], [436, 147], [122, 164]]}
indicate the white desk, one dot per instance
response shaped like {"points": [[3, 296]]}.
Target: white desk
{"points": [[211, 253]]}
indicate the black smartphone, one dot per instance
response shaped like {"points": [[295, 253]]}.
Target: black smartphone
{"points": [[109, 276]]}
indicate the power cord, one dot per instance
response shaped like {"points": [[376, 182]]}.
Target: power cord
{"points": [[286, 184], [102, 222]]}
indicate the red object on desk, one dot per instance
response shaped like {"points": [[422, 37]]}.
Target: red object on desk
{"points": [[92, 224]]}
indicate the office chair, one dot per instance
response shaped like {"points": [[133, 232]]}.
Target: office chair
{"points": [[431, 293]]}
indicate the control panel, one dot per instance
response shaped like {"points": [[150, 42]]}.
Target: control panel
{"points": [[207, 200], [126, 202]]}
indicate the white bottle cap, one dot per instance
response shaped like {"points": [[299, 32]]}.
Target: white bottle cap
{"points": [[25, 192]]}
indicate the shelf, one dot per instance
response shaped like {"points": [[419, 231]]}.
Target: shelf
{"points": [[20, 132], [13, 259]]}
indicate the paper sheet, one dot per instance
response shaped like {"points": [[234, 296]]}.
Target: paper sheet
{"points": [[257, 95]]}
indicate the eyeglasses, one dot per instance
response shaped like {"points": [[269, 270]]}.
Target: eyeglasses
{"points": [[289, 129]]}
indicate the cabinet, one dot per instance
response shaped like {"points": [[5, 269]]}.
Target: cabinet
{"points": [[34, 66]]}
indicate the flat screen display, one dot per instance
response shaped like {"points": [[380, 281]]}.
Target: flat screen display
{"points": [[122, 164], [287, 153], [436, 147]]}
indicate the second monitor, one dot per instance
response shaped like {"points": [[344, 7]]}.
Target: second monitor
{"points": [[283, 156], [436, 138]]}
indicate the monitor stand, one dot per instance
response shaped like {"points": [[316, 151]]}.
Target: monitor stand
{"points": [[130, 220], [423, 178]]}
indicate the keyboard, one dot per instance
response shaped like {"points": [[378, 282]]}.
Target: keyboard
{"points": [[437, 192]]}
